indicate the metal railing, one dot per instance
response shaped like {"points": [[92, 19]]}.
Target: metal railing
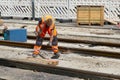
{"points": [[60, 9]]}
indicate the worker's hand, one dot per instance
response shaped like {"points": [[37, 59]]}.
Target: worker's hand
{"points": [[49, 44], [36, 33]]}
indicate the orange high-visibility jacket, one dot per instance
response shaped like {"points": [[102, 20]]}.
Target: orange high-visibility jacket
{"points": [[41, 29]]}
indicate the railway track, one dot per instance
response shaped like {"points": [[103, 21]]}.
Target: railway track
{"points": [[60, 24], [65, 49], [87, 75], [79, 41], [2, 79]]}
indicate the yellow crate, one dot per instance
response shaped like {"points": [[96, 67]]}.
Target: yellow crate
{"points": [[90, 14]]}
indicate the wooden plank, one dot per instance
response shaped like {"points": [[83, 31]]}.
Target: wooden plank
{"points": [[102, 15], [96, 15], [111, 21], [53, 62]]}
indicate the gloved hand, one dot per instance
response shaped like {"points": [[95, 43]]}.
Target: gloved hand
{"points": [[49, 44], [36, 33]]}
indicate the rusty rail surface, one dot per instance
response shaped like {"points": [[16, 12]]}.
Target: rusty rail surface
{"points": [[2, 79], [84, 74], [65, 49], [81, 41], [66, 25]]}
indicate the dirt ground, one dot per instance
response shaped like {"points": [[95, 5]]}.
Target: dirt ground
{"points": [[7, 73], [80, 45], [104, 35], [71, 30], [71, 60]]}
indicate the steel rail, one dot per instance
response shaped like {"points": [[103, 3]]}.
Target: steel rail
{"points": [[111, 44], [65, 25], [2, 79], [81, 41], [64, 49], [58, 70]]}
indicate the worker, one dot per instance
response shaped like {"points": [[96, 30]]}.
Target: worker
{"points": [[46, 25]]}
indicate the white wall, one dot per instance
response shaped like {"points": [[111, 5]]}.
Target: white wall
{"points": [[62, 9]]}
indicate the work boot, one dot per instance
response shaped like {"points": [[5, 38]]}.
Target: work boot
{"points": [[34, 55], [56, 55]]}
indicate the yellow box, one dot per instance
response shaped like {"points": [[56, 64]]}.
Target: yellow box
{"points": [[87, 14]]}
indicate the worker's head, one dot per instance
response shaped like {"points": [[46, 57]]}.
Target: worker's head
{"points": [[49, 20]]}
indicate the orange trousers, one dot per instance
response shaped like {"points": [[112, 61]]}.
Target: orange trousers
{"points": [[39, 42]]}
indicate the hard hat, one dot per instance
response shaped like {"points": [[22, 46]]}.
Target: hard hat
{"points": [[48, 17], [49, 20]]}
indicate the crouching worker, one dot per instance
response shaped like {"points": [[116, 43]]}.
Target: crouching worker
{"points": [[46, 25]]}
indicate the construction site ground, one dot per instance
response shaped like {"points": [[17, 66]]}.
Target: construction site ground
{"points": [[71, 60], [107, 33], [73, 31], [7, 73]]}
